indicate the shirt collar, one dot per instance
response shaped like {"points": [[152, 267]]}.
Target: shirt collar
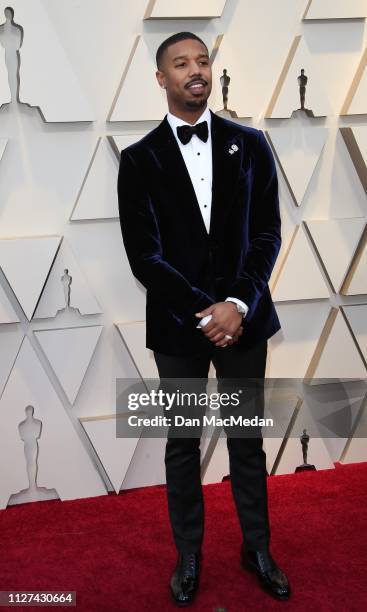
{"points": [[176, 121]]}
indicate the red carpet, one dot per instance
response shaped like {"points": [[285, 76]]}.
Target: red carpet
{"points": [[117, 552]]}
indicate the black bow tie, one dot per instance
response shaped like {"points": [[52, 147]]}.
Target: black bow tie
{"points": [[184, 132]]}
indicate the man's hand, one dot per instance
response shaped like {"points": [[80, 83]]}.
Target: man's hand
{"points": [[226, 320], [234, 338]]}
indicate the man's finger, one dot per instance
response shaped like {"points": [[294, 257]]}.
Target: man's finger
{"points": [[236, 336], [223, 342], [214, 332], [218, 337], [205, 312]]}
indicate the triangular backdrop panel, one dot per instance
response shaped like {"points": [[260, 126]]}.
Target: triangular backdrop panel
{"points": [[298, 150], [355, 139], [282, 404], [47, 77], [292, 347], [289, 226], [97, 198], [291, 285], [346, 233], [226, 55], [336, 9], [356, 448], [356, 283], [337, 413], [26, 263], [56, 292], [10, 340], [4, 83], [133, 336], [360, 135], [337, 355], [286, 97], [7, 312], [184, 9], [334, 409], [79, 344], [3, 142], [139, 85], [121, 141], [114, 453], [357, 319], [142, 471], [356, 100], [63, 462]]}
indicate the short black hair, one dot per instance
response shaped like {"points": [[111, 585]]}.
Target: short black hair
{"points": [[171, 41]]}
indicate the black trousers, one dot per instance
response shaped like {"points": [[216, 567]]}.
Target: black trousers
{"points": [[247, 459]]}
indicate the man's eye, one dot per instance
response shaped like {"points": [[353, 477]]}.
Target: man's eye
{"points": [[178, 65]]}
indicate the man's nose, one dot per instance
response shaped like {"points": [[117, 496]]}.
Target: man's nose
{"points": [[195, 69]]}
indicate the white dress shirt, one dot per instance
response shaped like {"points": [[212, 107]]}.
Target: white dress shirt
{"points": [[197, 156]]}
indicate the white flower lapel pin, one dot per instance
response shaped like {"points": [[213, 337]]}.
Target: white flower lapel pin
{"points": [[233, 149]]}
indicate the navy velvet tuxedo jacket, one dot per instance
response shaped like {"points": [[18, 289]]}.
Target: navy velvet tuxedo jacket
{"points": [[183, 267]]}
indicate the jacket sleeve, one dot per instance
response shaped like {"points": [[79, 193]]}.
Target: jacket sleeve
{"points": [[264, 230], [141, 237]]}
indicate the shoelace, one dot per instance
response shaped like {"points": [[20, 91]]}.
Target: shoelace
{"points": [[188, 565]]}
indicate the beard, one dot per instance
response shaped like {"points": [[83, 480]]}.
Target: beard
{"points": [[196, 103]]}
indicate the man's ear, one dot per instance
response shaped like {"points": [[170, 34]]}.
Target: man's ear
{"points": [[160, 78]]}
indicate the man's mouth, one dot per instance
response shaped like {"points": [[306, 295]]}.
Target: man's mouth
{"points": [[196, 86]]}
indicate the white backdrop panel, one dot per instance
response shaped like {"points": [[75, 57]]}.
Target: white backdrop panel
{"points": [[184, 9], [337, 9], [54, 296], [26, 263], [4, 84], [47, 79], [71, 473], [79, 344]]}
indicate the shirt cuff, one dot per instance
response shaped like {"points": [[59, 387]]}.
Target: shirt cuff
{"points": [[237, 301]]}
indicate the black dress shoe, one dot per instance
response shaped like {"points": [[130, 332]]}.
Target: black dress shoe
{"points": [[185, 579], [270, 576]]}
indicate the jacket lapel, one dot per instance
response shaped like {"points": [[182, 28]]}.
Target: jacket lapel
{"points": [[226, 170], [175, 175]]}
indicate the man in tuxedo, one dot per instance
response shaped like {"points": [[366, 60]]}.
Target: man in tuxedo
{"points": [[200, 221]]}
